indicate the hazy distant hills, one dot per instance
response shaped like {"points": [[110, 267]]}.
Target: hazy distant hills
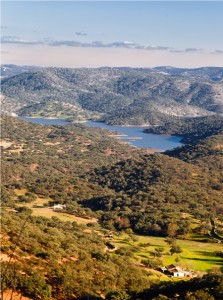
{"points": [[205, 73], [114, 95], [12, 70]]}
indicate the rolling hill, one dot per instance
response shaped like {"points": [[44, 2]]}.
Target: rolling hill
{"points": [[115, 95], [174, 196]]}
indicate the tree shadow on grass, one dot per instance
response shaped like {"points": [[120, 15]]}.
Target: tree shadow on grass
{"points": [[144, 256], [210, 257], [124, 242], [214, 261], [154, 245], [206, 253]]}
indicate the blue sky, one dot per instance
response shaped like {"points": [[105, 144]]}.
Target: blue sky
{"points": [[147, 32]]}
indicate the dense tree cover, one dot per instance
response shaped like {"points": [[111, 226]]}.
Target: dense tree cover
{"points": [[209, 287], [153, 192], [191, 129], [114, 95], [48, 160], [51, 259], [146, 193], [58, 260], [207, 154]]}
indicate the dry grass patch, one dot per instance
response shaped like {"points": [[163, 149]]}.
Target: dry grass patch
{"points": [[219, 147], [63, 216], [18, 149], [21, 192], [12, 295], [39, 209], [33, 167], [51, 144], [5, 144]]}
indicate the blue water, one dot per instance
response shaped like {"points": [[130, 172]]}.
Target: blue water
{"points": [[134, 135], [45, 121]]}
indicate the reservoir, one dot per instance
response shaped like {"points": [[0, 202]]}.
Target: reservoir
{"points": [[44, 121], [134, 135]]}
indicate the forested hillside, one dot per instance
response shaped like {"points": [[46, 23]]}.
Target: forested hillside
{"points": [[86, 169], [191, 129], [58, 260], [154, 192], [109, 192], [115, 95], [205, 152], [62, 261], [50, 159]]}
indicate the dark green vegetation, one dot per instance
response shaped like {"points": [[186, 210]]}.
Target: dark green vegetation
{"points": [[50, 160], [204, 152], [153, 192], [191, 129], [210, 287], [178, 198], [115, 95], [51, 259], [59, 260]]}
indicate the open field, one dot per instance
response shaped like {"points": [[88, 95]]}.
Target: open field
{"points": [[196, 256], [39, 209]]}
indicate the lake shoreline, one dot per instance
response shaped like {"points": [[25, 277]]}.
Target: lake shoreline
{"points": [[86, 121], [132, 135]]}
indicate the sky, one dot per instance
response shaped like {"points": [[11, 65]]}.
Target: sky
{"points": [[112, 33]]}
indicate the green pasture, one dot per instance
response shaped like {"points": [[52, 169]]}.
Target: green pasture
{"points": [[196, 256]]}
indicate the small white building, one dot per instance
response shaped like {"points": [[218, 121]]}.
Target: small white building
{"points": [[175, 271], [178, 274], [59, 206]]}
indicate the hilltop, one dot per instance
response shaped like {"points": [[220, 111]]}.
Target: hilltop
{"points": [[115, 95]]}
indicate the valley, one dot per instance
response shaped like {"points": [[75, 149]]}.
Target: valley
{"points": [[134, 135], [86, 215]]}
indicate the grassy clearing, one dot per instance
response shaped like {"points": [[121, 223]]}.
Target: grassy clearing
{"points": [[49, 212], [197, 256], [200, 256], [21, 192], [39, 209]]}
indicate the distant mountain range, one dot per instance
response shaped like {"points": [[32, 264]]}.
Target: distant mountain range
{"points": [[114, 95], [12, 70]]}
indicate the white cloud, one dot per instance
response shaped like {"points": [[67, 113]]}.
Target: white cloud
{"points": [[99, 44], [80, 33], [218, 51], [45, 55], [72, 43], [11, 39]]}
